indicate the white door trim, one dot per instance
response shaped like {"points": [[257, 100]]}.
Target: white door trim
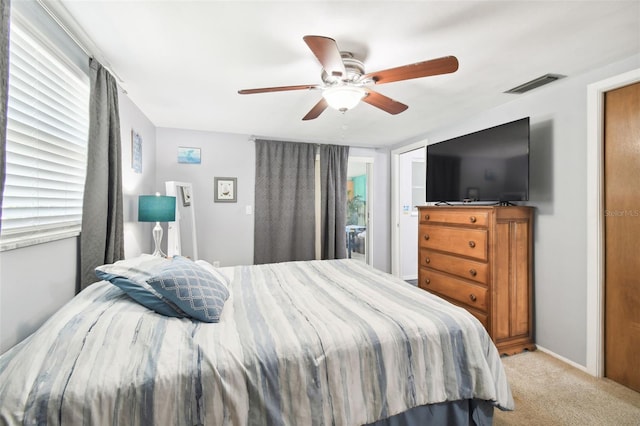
{"points": [[368, 250], [595, 216], [395, 202]]}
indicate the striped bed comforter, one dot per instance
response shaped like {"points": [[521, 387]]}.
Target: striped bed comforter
{"points": [[298, 343]]}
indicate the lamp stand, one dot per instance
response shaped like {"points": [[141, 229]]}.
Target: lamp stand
{"points": [[157, 237]]}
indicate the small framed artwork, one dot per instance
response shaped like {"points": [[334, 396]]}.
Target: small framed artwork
{"points": [[136, 152], [188, 155], [224, 190], [185, 191]]}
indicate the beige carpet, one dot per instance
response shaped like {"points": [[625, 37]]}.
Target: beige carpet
{"points": [[548, 392]]}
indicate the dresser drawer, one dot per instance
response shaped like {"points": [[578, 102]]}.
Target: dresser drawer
{"points": [[462, 241], [465, 268], [453, 288], [455, 217]]}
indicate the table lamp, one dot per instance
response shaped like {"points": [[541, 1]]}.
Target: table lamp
{"points": [[157, 208]]}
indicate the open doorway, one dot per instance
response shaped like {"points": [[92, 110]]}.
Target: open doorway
{"points": [[358, 230]]}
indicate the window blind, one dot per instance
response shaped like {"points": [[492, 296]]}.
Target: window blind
{"points": [[47, 128]]}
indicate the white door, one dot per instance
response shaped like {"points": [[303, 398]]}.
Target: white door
{"points": [[407, 191], [411, 193]]}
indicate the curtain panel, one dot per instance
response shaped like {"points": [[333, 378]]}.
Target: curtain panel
{"points": [[5, 6], [334, 160], [102, 236], [284, 202]]}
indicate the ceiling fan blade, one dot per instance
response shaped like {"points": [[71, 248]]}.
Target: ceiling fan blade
{"points": [[444, 65], [328, 54], [277, 89], [383, 102], [316, 110]]}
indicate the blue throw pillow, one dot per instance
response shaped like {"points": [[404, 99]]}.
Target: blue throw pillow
{"points": [[131, 275], [193, 289]]}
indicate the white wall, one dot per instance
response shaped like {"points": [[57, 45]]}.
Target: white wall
{"points": [[558, 190], [36, 281], [224, 230], [137, 235]]}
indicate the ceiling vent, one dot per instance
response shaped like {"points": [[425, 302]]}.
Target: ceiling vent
{"points": [[535, 83]]}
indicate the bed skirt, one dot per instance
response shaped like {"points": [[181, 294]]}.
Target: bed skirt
{"points": [[473, 412]]}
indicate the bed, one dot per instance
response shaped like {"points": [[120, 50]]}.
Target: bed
{"points": [[331, 342]]}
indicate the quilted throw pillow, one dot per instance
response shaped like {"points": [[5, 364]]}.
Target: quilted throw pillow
{"points": [[131, 275], [197, 292]]}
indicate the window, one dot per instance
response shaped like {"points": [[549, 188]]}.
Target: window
{"points": [[47, 128]]}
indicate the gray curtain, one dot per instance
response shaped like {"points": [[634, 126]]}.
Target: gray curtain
{"points": [[333, 192], [5, 6], [101, 238], [284, 202]]}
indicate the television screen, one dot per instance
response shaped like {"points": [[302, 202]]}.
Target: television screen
{"points": [[488, 165]]}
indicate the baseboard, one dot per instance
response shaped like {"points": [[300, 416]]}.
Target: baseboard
{"points": [[563, 359], [409, 277]]}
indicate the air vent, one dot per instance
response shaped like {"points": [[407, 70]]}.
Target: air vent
{"points": [[535, 83]]}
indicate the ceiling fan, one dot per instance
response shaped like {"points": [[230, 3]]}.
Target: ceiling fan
{"points": [[344, 81]]}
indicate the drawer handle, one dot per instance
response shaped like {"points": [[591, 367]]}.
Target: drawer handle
{"points": [[472, 244], [426, 217], [427, 260], [473, 272], [426, 236], [472, 219], [473, 297], [427, 281]]}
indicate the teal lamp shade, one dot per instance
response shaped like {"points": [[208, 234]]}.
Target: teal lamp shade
{"points": [[157, 208]]}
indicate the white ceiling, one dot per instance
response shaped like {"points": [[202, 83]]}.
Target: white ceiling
{"points": [[182, 62]]}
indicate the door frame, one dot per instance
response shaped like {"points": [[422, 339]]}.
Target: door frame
{"points": [[368, 247], [395, 201], [595, 216]]}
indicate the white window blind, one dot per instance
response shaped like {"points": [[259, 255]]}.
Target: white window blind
{"points": [[47, 128]]}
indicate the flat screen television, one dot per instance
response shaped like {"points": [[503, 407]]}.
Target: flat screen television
{"points": [[491, 165]]}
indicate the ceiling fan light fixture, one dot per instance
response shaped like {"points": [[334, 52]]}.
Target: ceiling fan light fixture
{"points": [[344, 82], [343, 98]]}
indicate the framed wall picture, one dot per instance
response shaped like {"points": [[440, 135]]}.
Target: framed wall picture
{"points": [[185, 191], [224, 190], [136, 152], [189, 155]]}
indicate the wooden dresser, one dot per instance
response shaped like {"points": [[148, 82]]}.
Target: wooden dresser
{"points": [[480, 258]]}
